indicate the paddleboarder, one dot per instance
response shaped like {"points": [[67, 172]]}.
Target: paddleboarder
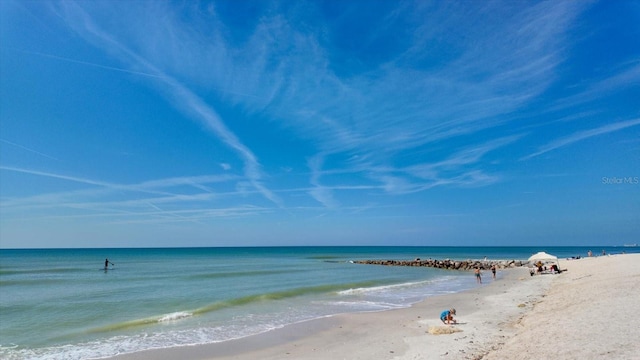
{"points": [[106, 263]]}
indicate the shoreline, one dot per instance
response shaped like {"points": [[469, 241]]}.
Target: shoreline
{"points": [[361, 334], [517, 316]]}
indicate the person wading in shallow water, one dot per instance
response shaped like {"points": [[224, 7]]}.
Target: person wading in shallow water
{"points": [[106, 263], [478, 276]]}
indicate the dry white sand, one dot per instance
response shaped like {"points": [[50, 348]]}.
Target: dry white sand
{"points": [[589, 312]]}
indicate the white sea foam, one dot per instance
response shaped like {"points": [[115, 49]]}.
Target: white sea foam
{"points": [[395, 287], [383, 288], [363, 305], [175, 316]]}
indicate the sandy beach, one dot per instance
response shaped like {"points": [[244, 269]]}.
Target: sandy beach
{"points": [[588, 312]]}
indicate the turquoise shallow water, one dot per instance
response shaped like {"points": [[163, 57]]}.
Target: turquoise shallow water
{"points": [[62, 304]]}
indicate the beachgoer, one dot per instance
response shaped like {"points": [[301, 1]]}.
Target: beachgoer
{"points": [[589, 253], [107, 262], [478, 276], [493, 271], [447, 316]]}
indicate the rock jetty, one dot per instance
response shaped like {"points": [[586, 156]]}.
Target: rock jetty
{"points": [[447, 264]]}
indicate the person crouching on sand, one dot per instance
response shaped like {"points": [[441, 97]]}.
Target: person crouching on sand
{"points": [[447, 316]]}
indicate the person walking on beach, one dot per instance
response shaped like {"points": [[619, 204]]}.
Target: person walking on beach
{"points": [[447, 316], [107, 262], [493, 271], [478, 276]]}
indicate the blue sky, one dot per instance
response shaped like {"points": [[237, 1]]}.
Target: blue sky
{"points": [[228, 123]]}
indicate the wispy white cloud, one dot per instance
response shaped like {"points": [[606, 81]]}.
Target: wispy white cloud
{"points": [[182, 97], [291, 76], [583, 135], [192, 215], [64, 177], [157, 216], [171, 201], [118, 199], [196, 181], [149, 187], [460, 169], [87, 63], [322, 194], [28, 149], [620, 79], [353, 115], [463, 168], [474, 154], [289, 73]]}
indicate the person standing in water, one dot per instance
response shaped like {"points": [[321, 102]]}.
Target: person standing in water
{"points": [[106, 263], [478, 275]]}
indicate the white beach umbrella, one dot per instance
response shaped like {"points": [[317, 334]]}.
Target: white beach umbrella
{"points": [[542, 256]]}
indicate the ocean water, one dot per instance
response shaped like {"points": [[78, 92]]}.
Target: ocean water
{"points": [[62, 304]]}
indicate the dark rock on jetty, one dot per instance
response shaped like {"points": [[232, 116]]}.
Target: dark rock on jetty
{"points": [[447, 263]]}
